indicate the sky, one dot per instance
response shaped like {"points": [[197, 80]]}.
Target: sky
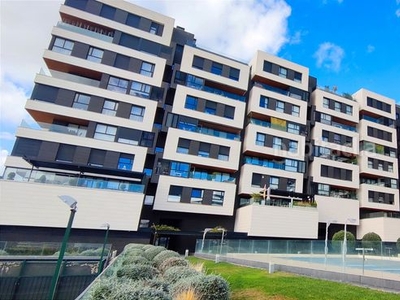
{"points": [[345, 44]]}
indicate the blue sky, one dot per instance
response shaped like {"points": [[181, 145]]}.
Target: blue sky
{"points": [[345, 43]]}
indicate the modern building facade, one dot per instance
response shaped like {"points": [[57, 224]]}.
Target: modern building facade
{"points": [[143, 127]]}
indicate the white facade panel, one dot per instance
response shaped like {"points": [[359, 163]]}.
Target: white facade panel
{"points": [[363, 129], [34, 204], [361, 97], [172, 142], [363, 163], [337, 210], [254, 105], [387, 228], [364, 197], [161, 198], [179, 107], [273, 221], [187, 60]]}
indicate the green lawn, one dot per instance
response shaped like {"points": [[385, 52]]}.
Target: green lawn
{"points": [[250, 283]]}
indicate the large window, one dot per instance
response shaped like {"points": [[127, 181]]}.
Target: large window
{"points": [[137, 113], [183, 146], [65, 153], [325, 103], [264, 102], [147, 69], [154, 28], [216, 68], [178, 169], [274, 183], [191, 102], [95, 54], [280, 106], [63, 46], [105, 132], [96, 157], [140, 89], [223, 153], [211, 108], [293, 145], [196, 196], [283, 72], [175, 193], [110, 108], [117, 85], [295, 110], [218, 198], [81, 101], [293, 128], [260, 139], [125, 162], [277, 143], [204, 150], [323, 189]]}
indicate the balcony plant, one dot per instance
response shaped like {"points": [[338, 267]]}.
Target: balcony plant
{"points": [[257, 198]]}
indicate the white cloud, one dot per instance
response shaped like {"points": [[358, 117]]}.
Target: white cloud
{"points": [[329, 56], [233, 28], [398, 13], [370, 49]]}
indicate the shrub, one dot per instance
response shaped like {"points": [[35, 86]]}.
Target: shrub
{"points": [[162, 256], [133, 252], [137, 272], [134, 246], [372, 240], [172, 262], [145, 293], [3, 252], [398, 244], [338, 238], [209, 287], [91, 252], [135, 260], [174, 274], [148, 246], [152, 252]]}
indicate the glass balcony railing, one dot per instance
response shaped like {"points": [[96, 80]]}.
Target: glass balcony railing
{"points": [[71, 130], [96, 33], [83, 181], [208, 131], [290, 92]]}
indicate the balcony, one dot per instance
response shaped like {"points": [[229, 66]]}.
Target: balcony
{"points": [[290, 92], [89, 31]]}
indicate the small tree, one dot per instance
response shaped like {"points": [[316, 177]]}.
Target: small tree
{"points": [[398, 245], [338, 238], [372, 240]]}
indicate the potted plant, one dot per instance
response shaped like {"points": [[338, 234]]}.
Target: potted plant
{"points": [[257, 198], [11, 176]]}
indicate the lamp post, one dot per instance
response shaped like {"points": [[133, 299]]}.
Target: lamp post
{"points": [[71, 202], [326, 238], [222, 239], [344, 250], [204, 236], [101, 264]]}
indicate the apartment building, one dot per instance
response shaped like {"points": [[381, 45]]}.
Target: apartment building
{"points": [[143, 127]]}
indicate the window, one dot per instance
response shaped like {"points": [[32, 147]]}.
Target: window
{"points": [[95, 55], [291, 185], [349, 110], [295, 110], [337, 138], [179, 169], [293, 146], [107, 11], [274, 183], [293, 128], [110, 108], [63, 46], [140, 89], [291, 165], [325, 136], [218, 198], [326, 119], [390, 167], [81, 101], [76, 129], [297, 77], [65, 153], [117, 85], [370, 163], [325, 103], [216, 68], [223, 153], [264, 102], [125, 162], [175, 193], [137, 113], [204, 150], [96, 157], [393, 183], [147, 139], [277, 143], [260, 139], [147, 69], [280, 106], [154, 28], [105, 132], [338, 106], [198, 62], [229, 112], [283, 72], [323, 189], [196, 196], [234, 74], [183, 146], [380, 166], [211, 108]]}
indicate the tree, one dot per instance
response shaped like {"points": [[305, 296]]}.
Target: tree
{"points": [[372, 240], [338, 238], [398, 244]]}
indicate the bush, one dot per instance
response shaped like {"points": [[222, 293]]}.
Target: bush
{"points": [[172, 262], [398, 244], [152, 252], [338, 238], [134, 246], [3, 252], [372, 240], [208, 287], [91, 252], [145, 293], [137, 272], [162, 256], [148, 246], [174, 274], [133, 252], [135, 260]]}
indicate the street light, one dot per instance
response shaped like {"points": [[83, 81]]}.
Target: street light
{"points": [[344, 250], [204, 236], [326, 238], [71, 202], [101, 265]]}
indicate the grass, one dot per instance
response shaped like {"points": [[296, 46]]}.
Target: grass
{"points": [[250, 283]]}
